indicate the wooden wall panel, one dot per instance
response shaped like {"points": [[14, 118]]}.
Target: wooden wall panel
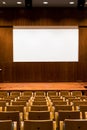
{"points": [[41, 72], [6, 55], [6, 44], [44, 72]]}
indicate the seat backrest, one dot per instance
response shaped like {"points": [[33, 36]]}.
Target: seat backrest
{"points": [[24, 98], [83, 97], [40, 99], [55, 97], [64, 93], [39, 103], [59, 103], [39, 93], [38, 125], [73, 99], [5, 125], [3, 94], [15, 93], [78, 103], [8, 101], [2, 103], [76, 93], [52, 93], [39, 115], [39, 108], [10, 97], [75, 124], [62, 107], [27, 93], [57, 100], [8, 115], [62, 115], [19, 103], [83, 109], [19, 108]]}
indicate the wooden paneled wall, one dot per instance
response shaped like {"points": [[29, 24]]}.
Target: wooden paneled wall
{"points": [[41, 72]]}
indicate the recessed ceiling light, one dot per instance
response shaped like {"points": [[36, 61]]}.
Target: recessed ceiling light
{"points": [[86, 2], [45, 2], [71, 2], [19, 2], [3, 2]]}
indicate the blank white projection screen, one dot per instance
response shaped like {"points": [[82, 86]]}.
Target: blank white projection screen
{"points": [[45, 45]]}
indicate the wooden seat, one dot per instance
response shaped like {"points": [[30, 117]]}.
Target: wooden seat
{"points": [[14, 116], [24, 98], [68, 115], [3, 94], [16, 93], [19, 103], [39, 108], [78, 103], [62, 107], [27, 93], [13, 97], [83, 110], [67, 97], [2, 105], [64, 93], [52, 93], [59, 103], [57, 108], [39, 103], [19, 108], [71, 100], [57, 100], [62, 115], [83, 97], [39, 115], [76, 93], [55, 97], [39, 93], [8, 101], [40, 99], [38, 125], [6, 125], [75, 124]]}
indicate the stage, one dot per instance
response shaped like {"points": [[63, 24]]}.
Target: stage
{"points": [[44, 86]]}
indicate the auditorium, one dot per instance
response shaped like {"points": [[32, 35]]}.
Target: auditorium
{"points": [[43, 64]]}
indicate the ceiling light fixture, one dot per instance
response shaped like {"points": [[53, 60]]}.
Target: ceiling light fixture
{"points": [[3, 2], [71, 2], [19, 2], [86, 2], [45, 2]]}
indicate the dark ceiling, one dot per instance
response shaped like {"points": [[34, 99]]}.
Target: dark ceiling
{"points": [[43, 3]]}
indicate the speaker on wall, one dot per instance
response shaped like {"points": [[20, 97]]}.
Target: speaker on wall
{"points": [[81, 4], [28, 4]]}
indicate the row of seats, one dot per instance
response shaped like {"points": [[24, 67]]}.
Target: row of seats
{"points": [[31, 114], [62, 115], [69, 124], [48, 93]]}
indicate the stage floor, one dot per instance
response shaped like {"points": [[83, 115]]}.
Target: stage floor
{"points": [[44, 86]]}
